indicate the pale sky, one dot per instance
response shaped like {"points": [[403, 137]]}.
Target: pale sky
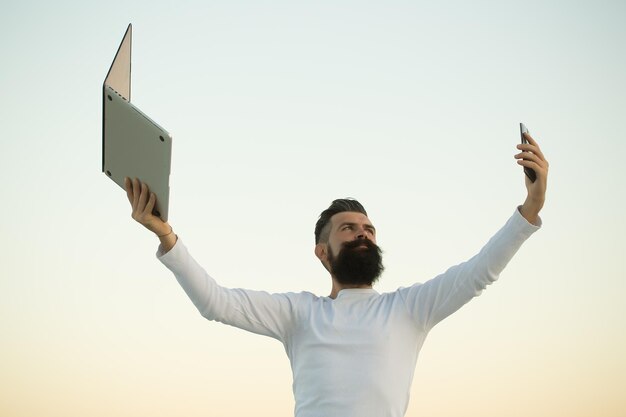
{"points": [[277, 108]]}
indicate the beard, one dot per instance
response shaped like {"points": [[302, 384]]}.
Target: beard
{"points": [[355, 265]]}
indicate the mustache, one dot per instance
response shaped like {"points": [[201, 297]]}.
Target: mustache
{"points": [[353, 244]]}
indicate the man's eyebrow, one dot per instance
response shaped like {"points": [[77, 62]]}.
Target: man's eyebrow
{"points": [[367, 226]]}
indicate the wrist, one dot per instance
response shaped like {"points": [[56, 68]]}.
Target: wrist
{"points": [[530, 209], [168, 238], [534, 203], [163, 233]]}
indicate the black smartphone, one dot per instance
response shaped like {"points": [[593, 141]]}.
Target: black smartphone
{"points": [[530, 173]]}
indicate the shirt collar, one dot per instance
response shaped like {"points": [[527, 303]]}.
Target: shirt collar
{"points": [[348, 292]]}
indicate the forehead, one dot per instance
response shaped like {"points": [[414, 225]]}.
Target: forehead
{"points": [[349, 217]]}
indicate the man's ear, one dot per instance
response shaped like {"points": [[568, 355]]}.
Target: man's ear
{"points": [[321, 251]]}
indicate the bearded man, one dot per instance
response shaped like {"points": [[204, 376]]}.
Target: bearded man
{"points": [[352, 353]]}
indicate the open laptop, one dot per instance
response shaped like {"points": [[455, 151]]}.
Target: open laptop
{"points": [[133, 145]]}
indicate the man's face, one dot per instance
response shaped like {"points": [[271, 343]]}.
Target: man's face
{"points": [[352, 254]]}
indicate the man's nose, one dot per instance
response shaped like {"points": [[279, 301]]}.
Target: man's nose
{"points": [[362, 234]]}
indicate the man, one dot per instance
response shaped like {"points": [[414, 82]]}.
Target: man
{"points": [[352, 353]]}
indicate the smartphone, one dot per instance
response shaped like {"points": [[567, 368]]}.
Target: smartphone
{"points": [[530, 173]]}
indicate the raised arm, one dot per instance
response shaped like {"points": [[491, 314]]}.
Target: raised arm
{"points": [[255, 311], [431, 302], [142, 202]]}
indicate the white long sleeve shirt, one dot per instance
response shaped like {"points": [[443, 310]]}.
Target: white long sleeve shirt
{"points": [[355, 355]]}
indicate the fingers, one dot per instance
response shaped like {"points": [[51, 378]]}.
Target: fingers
{"points": [[531, 153], [530, 139], [532, 160], [150, 205], [528, 156], [136, 192], [128, 186], [143, 202], [531, 146], [143, 197], [530, 164], [532, 157], [140, 197]]}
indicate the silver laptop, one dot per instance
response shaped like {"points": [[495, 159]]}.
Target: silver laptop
{"points": [[133, 145]]}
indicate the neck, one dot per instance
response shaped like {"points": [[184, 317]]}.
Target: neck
{"points": [[338, 287]]}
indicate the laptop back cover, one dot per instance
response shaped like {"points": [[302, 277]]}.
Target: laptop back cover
{"points": [[133, 145]]}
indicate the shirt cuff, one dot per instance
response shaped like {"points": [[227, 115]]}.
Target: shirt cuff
{"points": [[162, 255], [518, 214]]}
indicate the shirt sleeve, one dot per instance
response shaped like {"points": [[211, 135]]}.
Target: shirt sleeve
{"points": [[256, 311], [431, 302]]}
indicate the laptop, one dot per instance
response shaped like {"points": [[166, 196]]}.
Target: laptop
{"points": [[133, 145]]}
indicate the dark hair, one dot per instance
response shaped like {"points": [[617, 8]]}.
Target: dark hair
{"points": [[338, 206]]}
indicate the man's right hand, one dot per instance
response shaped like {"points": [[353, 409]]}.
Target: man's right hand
{"points": [[142, 202]]}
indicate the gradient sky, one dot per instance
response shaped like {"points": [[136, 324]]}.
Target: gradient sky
{"points": [[277, 108]]}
